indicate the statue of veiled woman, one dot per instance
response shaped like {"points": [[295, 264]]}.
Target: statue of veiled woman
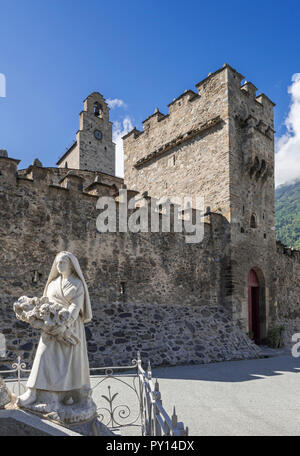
{"points": [[60, 367]]}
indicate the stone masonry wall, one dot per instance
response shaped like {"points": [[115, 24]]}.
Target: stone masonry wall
{"points": [[132, 277], [287, 303], [154, 292], [230, 162], [186, 151], [252, 197], [55, 175], [72, 158]]}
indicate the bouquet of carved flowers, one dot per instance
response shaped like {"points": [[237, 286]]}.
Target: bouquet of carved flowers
{"points": [[51, 318]]}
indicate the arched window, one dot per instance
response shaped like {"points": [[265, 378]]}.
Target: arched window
{"points": [[253, 223], [263, 166], [254, 167], [98, 110]]}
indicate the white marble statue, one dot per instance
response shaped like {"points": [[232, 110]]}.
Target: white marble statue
{"points": [[60, 373]]}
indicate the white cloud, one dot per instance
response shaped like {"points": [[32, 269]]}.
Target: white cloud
{"points": [[2, 85], [119, 130], [115, 103], [287, 158]]}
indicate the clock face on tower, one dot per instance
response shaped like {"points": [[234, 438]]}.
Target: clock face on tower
{"points": [[98, 134]]}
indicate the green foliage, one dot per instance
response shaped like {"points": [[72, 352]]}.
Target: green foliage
{"points": [[274, 336], [287, 210]]}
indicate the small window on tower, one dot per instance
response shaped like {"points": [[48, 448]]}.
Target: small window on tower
{"points": [[174, 160], [122, 287], [253, 223]]}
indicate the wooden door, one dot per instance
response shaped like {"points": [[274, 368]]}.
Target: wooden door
{"points": [[253, 306]]}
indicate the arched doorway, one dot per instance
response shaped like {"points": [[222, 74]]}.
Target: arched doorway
{"points": [[254, 304]]}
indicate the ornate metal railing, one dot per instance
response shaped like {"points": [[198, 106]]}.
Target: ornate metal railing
{"points": [[155, 420], [19, 367], [113, 412], [143, 409]]}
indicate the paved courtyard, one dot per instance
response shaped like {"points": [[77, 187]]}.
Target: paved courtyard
{"points": [[255, 397]]}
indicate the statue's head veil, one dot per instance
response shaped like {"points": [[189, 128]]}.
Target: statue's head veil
{"points": [[87, 310]]}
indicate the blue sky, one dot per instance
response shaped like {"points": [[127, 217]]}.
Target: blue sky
{"points": [[53, 53]]}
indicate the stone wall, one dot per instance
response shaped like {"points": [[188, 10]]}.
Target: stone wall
{"points": [[71, 159], [131, 276], [218, 143], [165, 334], [287, 303], [55, 176], [185, 152], [252, 198]]}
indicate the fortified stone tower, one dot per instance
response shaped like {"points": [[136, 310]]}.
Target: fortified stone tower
{"points": [[251, 182], [218, 143], [93, 149]]}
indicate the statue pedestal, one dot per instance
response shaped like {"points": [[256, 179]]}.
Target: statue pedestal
{"points": [[64, 407], [51, 406], [5, 396], [74, 410], [20, 422]]}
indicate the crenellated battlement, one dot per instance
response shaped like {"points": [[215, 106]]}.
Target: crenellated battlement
{"points": [[87, 182], [158, 119], [208, 133], [41, 185], [282, 249], [206, 90]]}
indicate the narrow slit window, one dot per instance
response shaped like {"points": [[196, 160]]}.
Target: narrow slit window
{"points": [[253, 223]]}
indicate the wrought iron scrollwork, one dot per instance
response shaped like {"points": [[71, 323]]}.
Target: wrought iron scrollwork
{"points": [[123, 410]]}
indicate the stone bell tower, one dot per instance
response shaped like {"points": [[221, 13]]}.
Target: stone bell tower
{"points": [[93, 149]]}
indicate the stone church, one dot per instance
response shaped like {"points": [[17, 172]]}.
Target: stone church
{"points": [[175, 302]]}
